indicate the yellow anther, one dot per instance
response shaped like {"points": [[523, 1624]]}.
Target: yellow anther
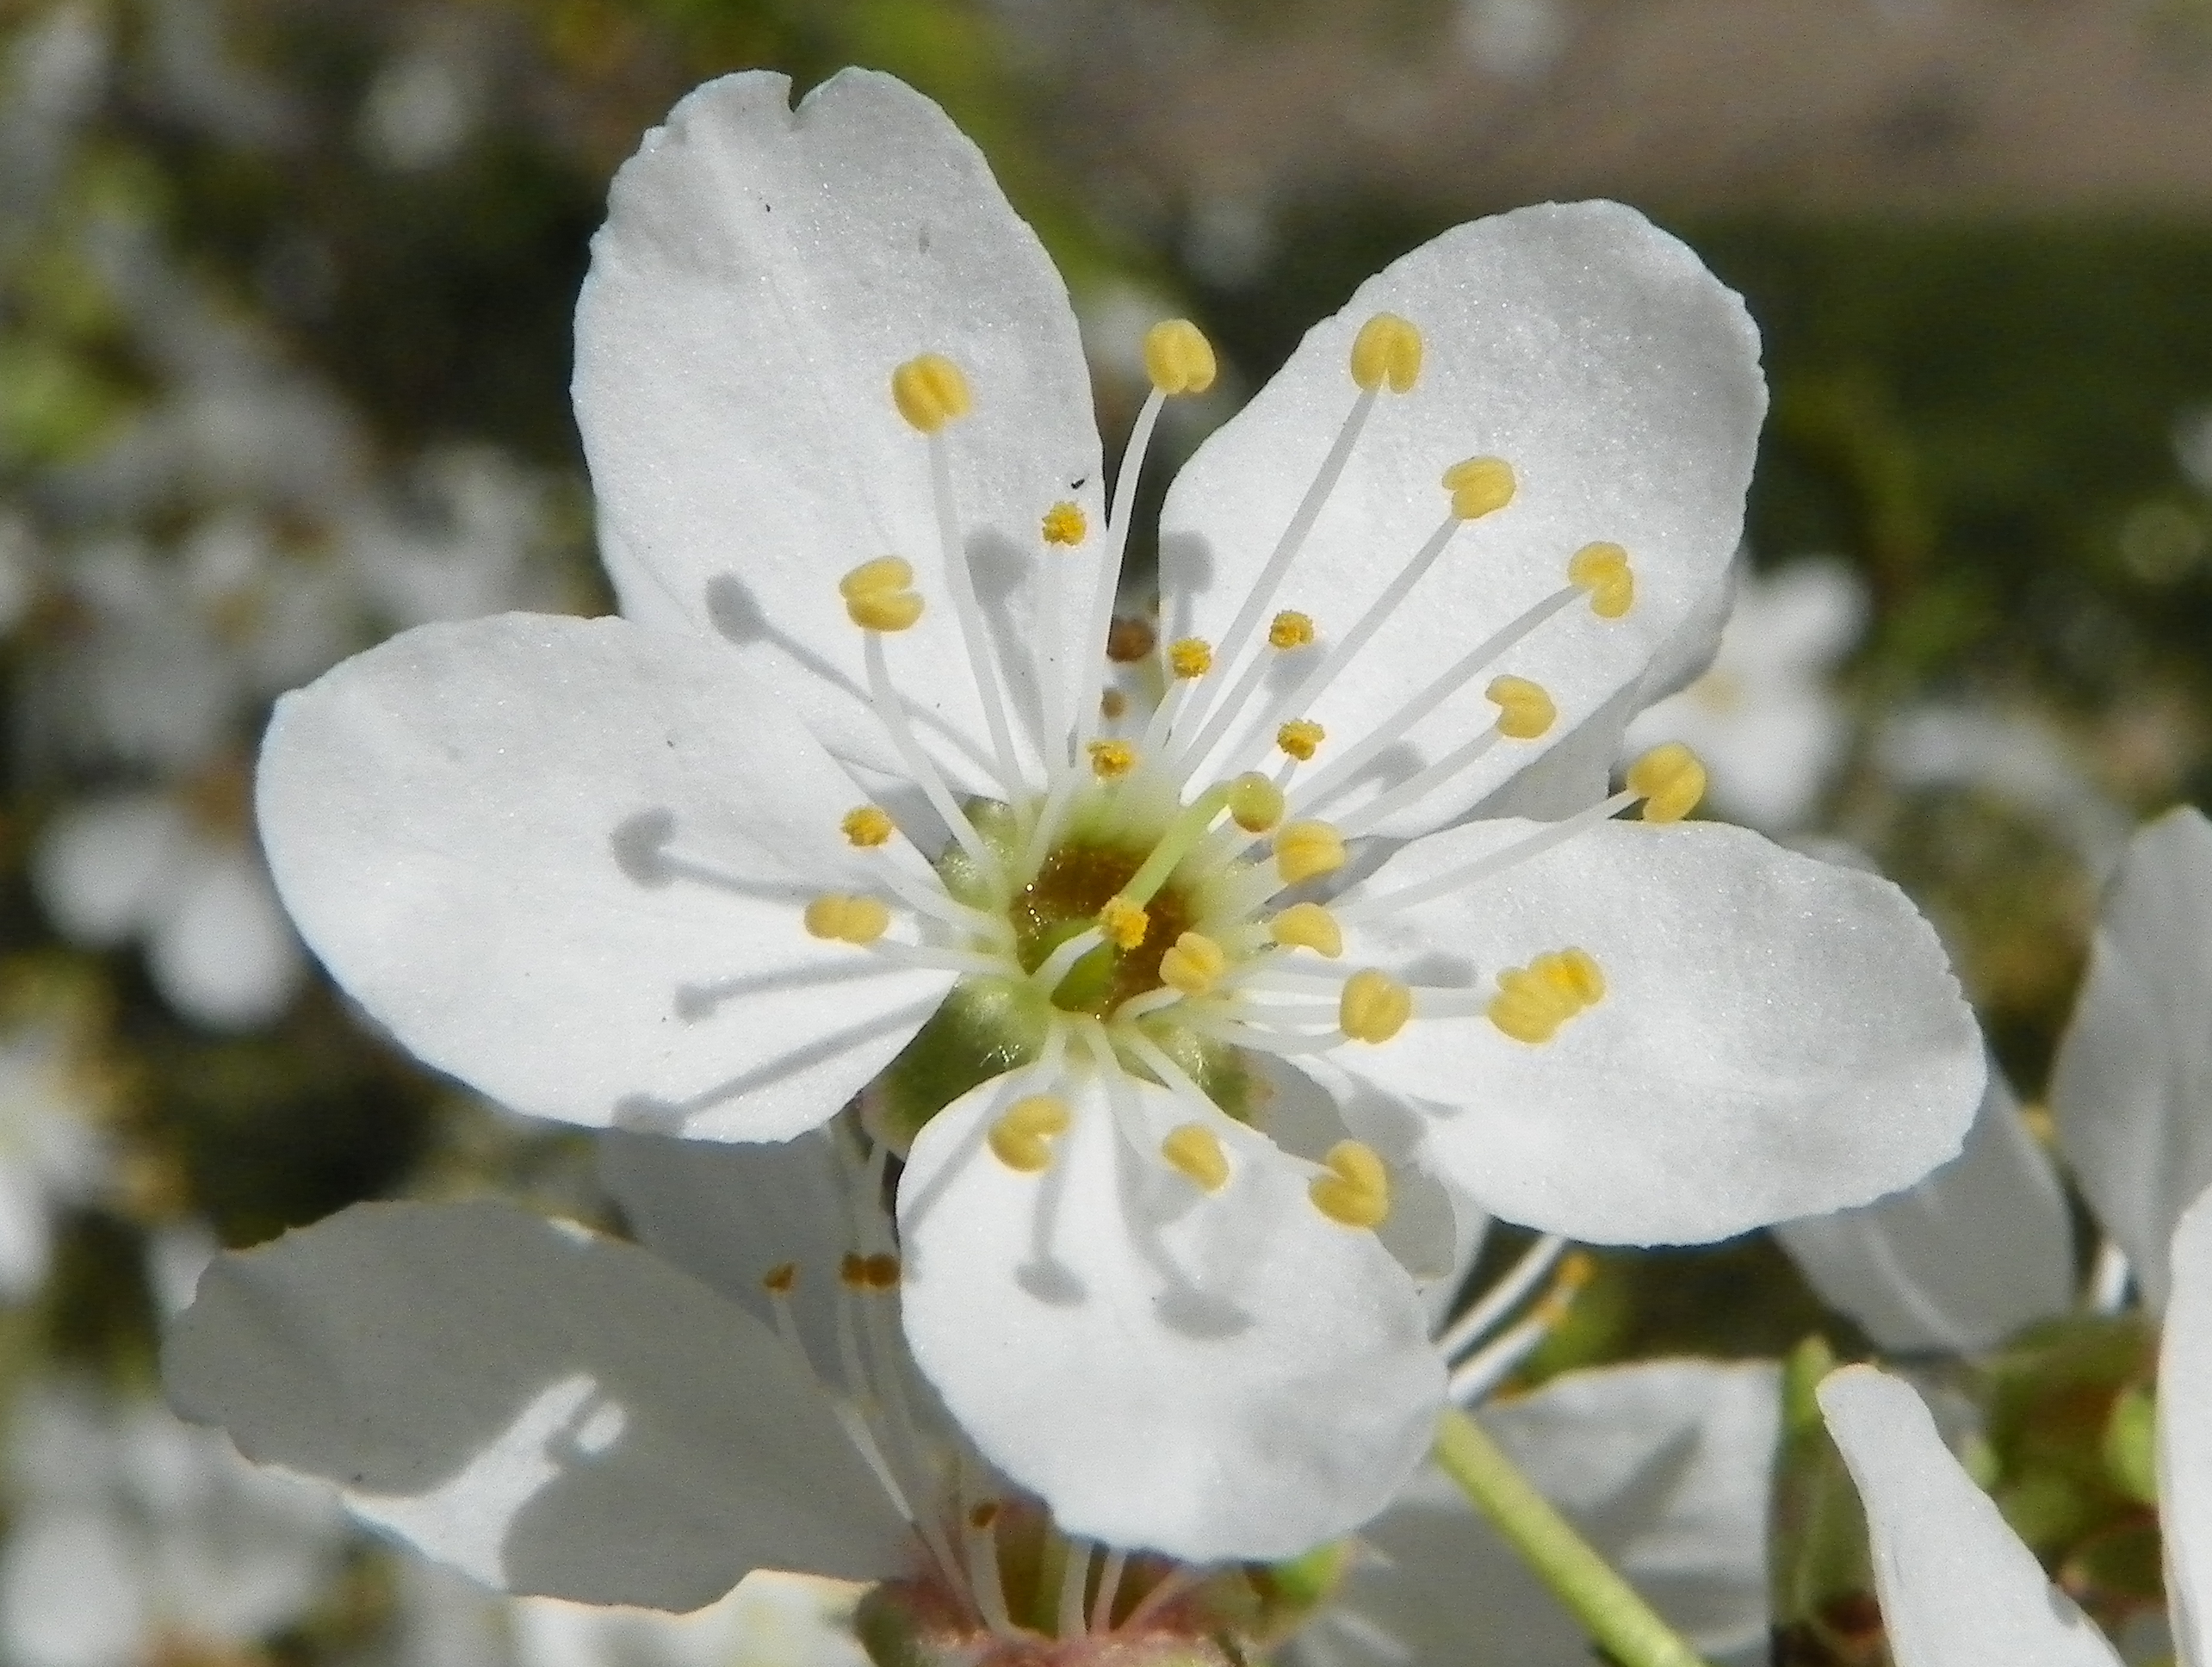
{"points": [[868, 827], [1603, 571], [779, 1280], [1112, 759], [930, 392], [1301, 738], [1533, 1002], [1574, 971], [854, 1270], [1111, 704], [981, 1516], [1178, 357], [880, 1272], [1065, 523], [1195, 1151], [1479, 486], [1191, 657], [1020, 1137], [1356, 1191], [1193, 964], [847, 920], [1307, 925], [1374, 1006], [878, 597], [1289, 629], [1670, 780], [1255, 804], [1387, 349], [1524, 710], [1576, 1270], [1305, 851], [1123, 922]]}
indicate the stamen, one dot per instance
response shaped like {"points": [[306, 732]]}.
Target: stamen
{"points": [[1534, 1001], [1485, 1370], [1190, 657], [1178, 357], [1525, 711], [1130, 639], [1112, 759], [1093, 668], [1194, 1151], [1307, 925], [1340, 771], [1058, 965], [1022, 1136], [920, 769], [1306, 850], [1192, 965], [1109, 1588], [1387, 349], [878, 595], [1262, 594], [843, 919], [980, 1540], [930, 392], [1289, 634], [1111, 704], [868, 827], [1302, 693], [1480, 487], [1301, 739], [1670, 780], [1603, 571], [1374, 1006], [1356, 1190], [1075, 1579], [960, 578], [1255, 804], [1502, 1297], [1124, 922], [1064, 524]]}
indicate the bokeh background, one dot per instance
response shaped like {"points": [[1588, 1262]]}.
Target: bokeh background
{"points": [[285, 290]]}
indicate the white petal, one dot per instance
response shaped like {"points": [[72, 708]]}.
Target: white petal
{"points": [[70, 1593], [727, 1214], [1957, 1588], [567, 860], [1594, 354], [771, 1621], [1778, 1036], [102, 870], [1229, 1375], [1959, 1262], [222, 952], [2185, 1429], [549, 1411], [762, 272], [2134, 1072], [1665, 1468]]}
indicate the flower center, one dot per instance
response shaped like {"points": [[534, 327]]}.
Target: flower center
{"points": [[1073, 886]]}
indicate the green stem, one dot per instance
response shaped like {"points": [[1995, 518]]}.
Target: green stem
{"points": [[1620, 1622]]}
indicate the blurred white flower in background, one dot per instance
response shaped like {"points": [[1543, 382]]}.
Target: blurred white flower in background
{"points": [[132, 1536], [1764, 717], [51, 1155]]}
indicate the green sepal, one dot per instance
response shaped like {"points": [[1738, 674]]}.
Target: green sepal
{"points": [[985, 1028], [1820, 1567]]}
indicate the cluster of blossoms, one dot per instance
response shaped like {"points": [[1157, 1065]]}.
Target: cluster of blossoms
{"points": [[1208, 983]]}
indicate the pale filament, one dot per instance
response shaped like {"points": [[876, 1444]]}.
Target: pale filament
{"points": [[1074, 1581], [1339, 770], [1109, 1588], [1300, 694], [920, 768], [1107, 579], [1416, 785], [960, 580], [1262, 594], [1553, 835], [1502, 1297]]}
